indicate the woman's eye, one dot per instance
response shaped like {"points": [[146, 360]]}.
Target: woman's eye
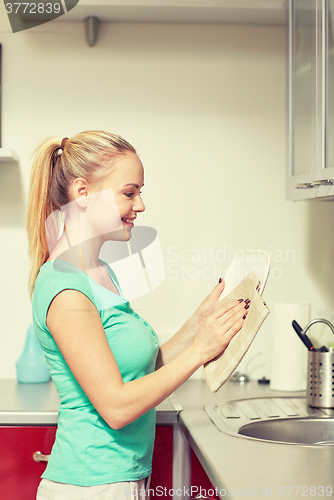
{"points": [[129, 195]]}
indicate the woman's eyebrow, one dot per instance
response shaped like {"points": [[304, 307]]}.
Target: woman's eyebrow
{"points": [[132, 184]]}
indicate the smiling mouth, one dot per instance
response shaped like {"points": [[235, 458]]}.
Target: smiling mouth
{"points": [[129, 222]]}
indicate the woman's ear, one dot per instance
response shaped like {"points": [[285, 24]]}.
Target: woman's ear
{"points": [[80, 191], [82, 200]]}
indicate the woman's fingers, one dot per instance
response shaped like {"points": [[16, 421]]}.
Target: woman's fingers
{"points": [[232, 321], [233, 329], [239, 304], [219, 328], [230, 310], [236, 312]]}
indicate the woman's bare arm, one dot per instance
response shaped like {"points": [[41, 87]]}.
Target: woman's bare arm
{"points": [[185, 336], [75, 324], [178, 342]]}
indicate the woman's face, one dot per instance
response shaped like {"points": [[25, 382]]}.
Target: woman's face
{"points": [[124, 185], [109, 211]]}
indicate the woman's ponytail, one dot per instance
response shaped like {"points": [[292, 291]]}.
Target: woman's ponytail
{"points": [[40, 206]]}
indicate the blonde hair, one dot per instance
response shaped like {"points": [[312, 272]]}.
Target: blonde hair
{"points": [[90, 155]]}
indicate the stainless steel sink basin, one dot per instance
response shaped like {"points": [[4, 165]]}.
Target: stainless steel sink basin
{"points": [[314, 431], [278, 420]]}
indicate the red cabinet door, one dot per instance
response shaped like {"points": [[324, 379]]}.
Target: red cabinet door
{"points": [[19, 473], [201, 484], [162, 464], [162, 469]]}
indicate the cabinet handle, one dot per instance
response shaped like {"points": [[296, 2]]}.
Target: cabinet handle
{"points": [[39, 457], [324, 182], [304, 185], [308, 185]]}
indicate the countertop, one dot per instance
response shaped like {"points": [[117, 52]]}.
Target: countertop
{"points": [[241, 467], [237, 467], [37, 404]]}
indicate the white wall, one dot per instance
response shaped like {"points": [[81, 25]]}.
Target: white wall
{"points": [[205, 107]]}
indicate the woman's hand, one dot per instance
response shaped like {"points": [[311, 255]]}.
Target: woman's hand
{"points": [[218, 328], [185, 336], [209, 303]]}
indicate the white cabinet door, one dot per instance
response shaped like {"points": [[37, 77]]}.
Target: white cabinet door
{"points": [[311, 98]]}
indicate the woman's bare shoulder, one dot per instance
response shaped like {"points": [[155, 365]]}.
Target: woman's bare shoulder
{"points": [[70, 307]]}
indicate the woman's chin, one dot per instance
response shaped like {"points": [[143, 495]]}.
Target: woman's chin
{"points": [[127, 231], [123, 234]]}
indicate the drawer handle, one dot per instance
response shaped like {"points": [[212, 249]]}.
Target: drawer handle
{"points": [[39, 457]]}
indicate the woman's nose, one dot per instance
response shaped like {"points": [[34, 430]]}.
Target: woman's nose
{"points": [[139, 205]]}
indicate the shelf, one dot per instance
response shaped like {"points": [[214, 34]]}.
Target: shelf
{"points": [[8, 155], [180, 11]]}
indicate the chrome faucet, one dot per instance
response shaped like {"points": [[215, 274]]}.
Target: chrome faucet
{"points": [[318, 320]]}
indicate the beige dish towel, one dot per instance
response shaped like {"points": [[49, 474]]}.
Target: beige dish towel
{"points": [[219, 369]]}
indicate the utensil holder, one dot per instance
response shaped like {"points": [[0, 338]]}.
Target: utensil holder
{"points": [[320, 379]]}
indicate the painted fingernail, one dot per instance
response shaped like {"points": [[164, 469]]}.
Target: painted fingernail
{"points": [[244, 317], [240, 300], [220, 280], [246, 306], [247, 300]]}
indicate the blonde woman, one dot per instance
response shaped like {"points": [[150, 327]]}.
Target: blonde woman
{"points": [[104, 359]]}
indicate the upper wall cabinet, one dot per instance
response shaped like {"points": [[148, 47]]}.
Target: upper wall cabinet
{"points": [[311, 99]]}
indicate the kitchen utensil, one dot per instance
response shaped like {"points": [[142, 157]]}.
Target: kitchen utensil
{"points": [[245, 262], [240, 378], [320, 389], [298, 329]]}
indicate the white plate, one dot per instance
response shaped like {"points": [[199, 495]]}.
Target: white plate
{"points": [[244, 262]]}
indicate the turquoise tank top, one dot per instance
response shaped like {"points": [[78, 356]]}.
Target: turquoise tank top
{"points": [[87, 452]]}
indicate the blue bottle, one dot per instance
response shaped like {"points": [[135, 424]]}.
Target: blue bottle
{"points": [[31, 367]]}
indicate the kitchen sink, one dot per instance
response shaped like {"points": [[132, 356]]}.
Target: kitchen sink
{"points": [[314, 431], [282, 420]]}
